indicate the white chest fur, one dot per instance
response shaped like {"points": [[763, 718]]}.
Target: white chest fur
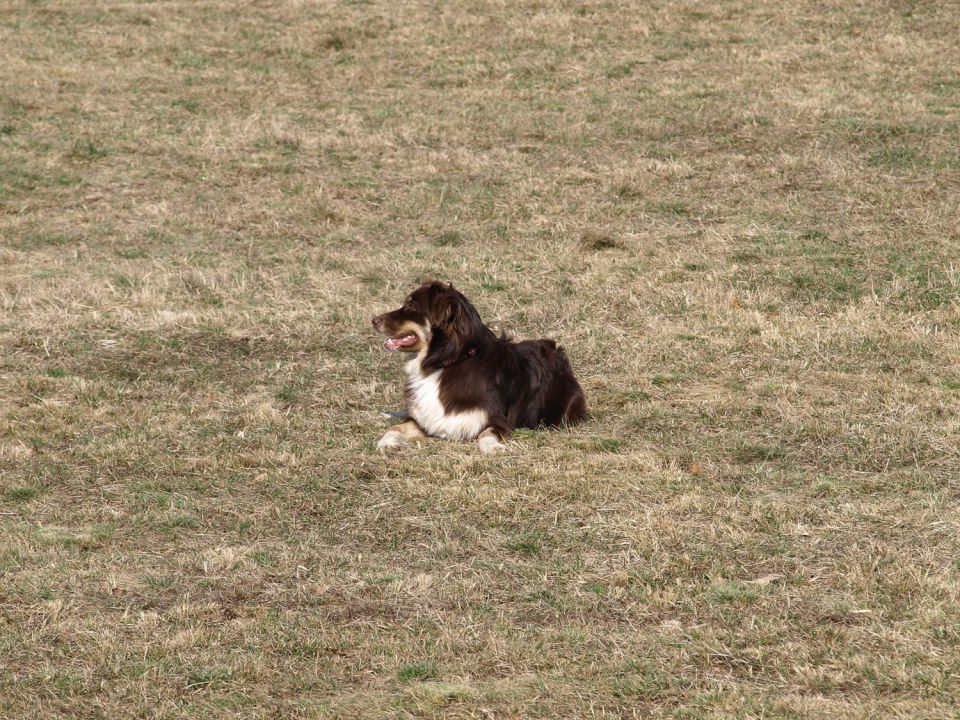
{"points": [[425, 407]]}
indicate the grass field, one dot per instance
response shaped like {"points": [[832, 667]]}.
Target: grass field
{"points": [[742, 220]]}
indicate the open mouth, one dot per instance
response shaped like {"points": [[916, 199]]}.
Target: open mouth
{"points": [[395, 343]]}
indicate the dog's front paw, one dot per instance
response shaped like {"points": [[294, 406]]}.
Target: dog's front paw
{"points": [[490, 443], [391, 442]]}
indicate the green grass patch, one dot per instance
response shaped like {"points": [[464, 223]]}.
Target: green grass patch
{"points": [[448, 238], [610, 445], [21, 494], [748, 452], [209, 678], [417, 672], [40, 240], [87, 150], [899, 156], [528, 543], [289, 395], [677, 208], [190, 105], [188, 522], [665, 379], [733, 592], [620, 70], [492, 285]]}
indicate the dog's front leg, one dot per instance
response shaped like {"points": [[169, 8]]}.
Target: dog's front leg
{"points": [[402, 435], [491, 440]]}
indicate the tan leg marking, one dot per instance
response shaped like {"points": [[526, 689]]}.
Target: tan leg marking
{"points": [[489, 442], [402, 435]]}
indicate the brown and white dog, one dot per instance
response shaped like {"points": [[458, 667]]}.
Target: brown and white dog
{"points": [[464, 382]]}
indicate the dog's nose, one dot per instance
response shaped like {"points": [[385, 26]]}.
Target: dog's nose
{"points": [[376, 322]]}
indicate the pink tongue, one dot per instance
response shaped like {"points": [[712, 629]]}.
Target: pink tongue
{"points": [[397, 343]]}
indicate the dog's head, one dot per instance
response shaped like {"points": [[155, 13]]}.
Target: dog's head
{"points": [[434, 316]]}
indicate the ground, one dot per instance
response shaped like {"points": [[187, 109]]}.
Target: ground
{"points": [[740, 219]]}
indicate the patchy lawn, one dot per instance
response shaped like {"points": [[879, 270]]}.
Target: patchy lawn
{"points": [[740, 219]]}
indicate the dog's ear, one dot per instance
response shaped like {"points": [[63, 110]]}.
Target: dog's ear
{"points": [[441, 305], [457, 327], [463, 322], [453, 313]]}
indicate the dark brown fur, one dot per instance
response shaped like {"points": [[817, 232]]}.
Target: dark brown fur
{"points": [[525, 384]]}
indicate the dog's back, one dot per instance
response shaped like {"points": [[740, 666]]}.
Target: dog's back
{"points": [[549, 394]]}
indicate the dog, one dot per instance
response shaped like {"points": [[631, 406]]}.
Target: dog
{"points": [[465, 383]]}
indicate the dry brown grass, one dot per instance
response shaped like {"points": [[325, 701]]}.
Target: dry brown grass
{"points": [[740, 218]]}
